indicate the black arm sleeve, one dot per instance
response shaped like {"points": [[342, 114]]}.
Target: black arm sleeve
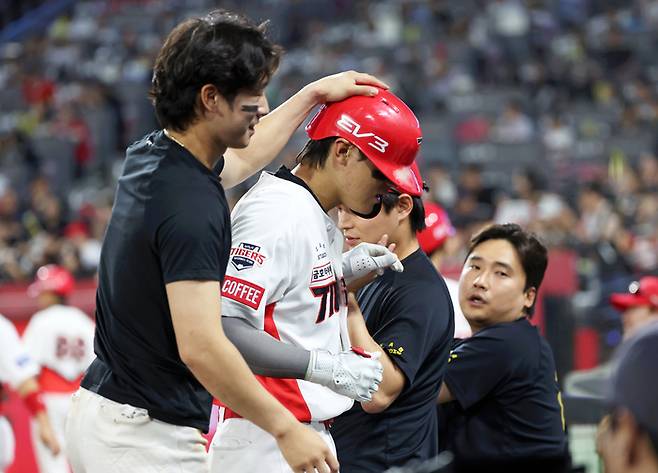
{"points": [[264, 354]]}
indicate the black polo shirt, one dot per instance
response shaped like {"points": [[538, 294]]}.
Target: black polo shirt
{"points": [[170, 222], [508, 408], [410, 315]]}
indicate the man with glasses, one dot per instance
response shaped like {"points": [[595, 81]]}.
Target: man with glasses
{"points": [[284, 296]]}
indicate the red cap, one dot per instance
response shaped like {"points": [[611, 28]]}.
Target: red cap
{"points": [[51, 278], [76, 229], [640, 293], [437, 228], [385, 130]]}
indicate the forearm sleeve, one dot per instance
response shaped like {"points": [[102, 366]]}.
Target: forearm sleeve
{"points": [[265, 355]]}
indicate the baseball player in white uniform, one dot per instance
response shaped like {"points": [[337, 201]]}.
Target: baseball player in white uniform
{"points": [[18, 370], [284, 295], [60, 339], [438, 230]]}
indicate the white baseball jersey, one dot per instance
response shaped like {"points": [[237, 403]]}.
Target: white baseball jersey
{"points": [[61, 340], [285, 277], [16, 365], [462, 328]]}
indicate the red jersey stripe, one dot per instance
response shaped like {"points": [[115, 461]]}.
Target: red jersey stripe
{"points": [[285, 390]]}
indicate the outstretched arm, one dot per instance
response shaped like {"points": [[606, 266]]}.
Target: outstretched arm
{"points": [[275, 129]]}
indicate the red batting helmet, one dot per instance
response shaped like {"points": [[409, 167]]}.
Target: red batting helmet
{"points": [[385, 130], [640, 293], [52, 278], [437, 228]]}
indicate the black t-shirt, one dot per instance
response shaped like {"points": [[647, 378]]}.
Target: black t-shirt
{"points": [[170, 222], [410, 315], [508, 406]]}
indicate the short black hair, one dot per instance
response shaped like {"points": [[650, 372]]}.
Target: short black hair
{"points": [[315, 153], [417, 214], [222, 48], [531, 252]]}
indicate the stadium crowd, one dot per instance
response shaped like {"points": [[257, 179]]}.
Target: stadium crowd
{"points": [[581, 74]]}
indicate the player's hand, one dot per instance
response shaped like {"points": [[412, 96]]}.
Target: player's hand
{"points": [[305, 451], [47, 434], [365, 258], [354, 373], [345, 84]]}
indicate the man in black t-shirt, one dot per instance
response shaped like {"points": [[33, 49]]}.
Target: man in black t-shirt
{"points": [[501, 383], [409, 318], [161, 351]]}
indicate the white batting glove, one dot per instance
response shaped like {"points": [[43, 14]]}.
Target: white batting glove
{"points": [[365, 258], [355, 374]]}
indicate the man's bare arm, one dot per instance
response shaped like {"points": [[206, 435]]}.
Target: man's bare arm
{"points": [[393, 379], [195, 311], [275, 129]]}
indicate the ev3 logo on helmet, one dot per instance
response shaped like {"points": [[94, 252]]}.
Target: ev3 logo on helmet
{"points": [[348, 124]]}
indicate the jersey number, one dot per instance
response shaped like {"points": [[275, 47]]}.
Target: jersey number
{"points": [[73, 347], [330, 303]]}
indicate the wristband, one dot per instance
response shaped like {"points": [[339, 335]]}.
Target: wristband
{"points": [[34, 403]]}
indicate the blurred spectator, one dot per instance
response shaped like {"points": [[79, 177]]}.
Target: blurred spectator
{"points": [[513, 126], [532, 206], [475, 200], [557, 137], [441, 185], [648, 172], [598, 221]]}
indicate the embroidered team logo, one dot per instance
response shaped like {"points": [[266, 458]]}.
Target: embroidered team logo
{"points": [[245, 255]]}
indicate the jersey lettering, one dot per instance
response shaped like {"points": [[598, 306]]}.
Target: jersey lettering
{"points": [[70, 347], [322, 273], [329, 303], [348, 124], [242, 291]]}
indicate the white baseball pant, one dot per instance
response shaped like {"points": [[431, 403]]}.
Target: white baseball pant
{"points": [[240, 446], [103, 436]]}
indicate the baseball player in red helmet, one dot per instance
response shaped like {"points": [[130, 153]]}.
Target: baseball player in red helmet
{"points": [[284, 295], [60, 339], [438, 229]]}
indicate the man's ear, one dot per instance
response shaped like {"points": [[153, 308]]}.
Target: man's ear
{"points": [[210, 100], [340, 151], [405, 206], [530, 295]]}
